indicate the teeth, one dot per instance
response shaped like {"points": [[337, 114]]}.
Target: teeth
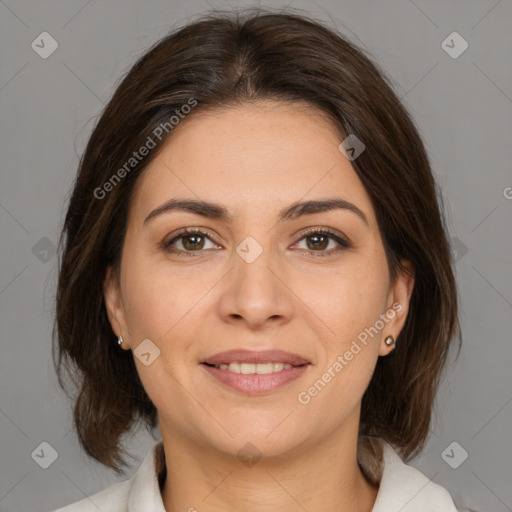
{"points": [[264, 368], [252, 368], [234, 367], [247, 368]]}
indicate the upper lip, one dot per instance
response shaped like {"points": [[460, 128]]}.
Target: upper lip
{"points": [[250, 356]]}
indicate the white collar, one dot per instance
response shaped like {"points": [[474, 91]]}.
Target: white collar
{"points": [[402, 488]]}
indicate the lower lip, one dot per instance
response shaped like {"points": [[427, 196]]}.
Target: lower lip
{"points": [[255, 384]]}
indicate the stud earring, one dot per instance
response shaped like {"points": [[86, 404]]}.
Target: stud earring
{"points": [[120, 340], [389, 341]]}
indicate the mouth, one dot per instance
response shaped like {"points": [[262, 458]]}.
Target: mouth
{"points": [[253, 368], [255, 373]]}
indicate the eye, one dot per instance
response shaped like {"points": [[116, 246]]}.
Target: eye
{"points": [[318, 242], [188, 241], [322, 242]]}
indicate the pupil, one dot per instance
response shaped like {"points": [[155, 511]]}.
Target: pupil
{"points": [[196, 242], [319, 241]]}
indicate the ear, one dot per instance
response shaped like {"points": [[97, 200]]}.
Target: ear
{"points": [[114, 305], [397, 306]]}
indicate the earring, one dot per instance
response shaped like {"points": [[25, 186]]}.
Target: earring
{"points": [[389, 341], [120, 340]]}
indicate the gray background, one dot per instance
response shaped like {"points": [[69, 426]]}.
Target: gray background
{"points": [[463, 107]]}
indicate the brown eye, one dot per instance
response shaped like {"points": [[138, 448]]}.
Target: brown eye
{"points": [[189, 242], [193, 242], [321, 242], [317, 242]]}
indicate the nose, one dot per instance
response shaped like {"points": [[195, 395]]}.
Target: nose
{"points": [[256, 294]]}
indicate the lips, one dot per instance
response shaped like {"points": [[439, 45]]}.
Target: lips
{"points": [[245, 370], [261, 357]]}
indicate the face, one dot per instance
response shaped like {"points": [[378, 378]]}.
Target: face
{"points": [[273, 266]]}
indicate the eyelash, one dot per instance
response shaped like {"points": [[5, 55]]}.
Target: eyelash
{"points": [[344, 243]]}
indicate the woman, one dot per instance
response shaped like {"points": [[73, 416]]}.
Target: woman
{"points": [[254, 260]]}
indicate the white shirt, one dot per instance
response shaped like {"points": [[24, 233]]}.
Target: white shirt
{"points": [[402, 488]]}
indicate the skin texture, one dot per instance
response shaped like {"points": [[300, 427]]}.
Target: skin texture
{"points": [[255, 160]]}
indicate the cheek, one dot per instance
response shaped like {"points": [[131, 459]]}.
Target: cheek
{"points": [[158, 306], [350, 305], [353, 299], [158, 299]]}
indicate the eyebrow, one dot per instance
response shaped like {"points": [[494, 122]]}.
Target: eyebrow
{"points": [[218, 212]]}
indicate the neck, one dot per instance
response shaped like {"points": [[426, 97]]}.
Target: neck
{"points": [[322, 476]]}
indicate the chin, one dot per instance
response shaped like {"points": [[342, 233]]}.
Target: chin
{"points": [[272, 434]]}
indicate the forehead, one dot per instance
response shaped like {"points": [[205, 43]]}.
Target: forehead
{"points": [[253, 157]]}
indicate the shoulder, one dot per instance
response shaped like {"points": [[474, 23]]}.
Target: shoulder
{"points": [[110, 499], [141, 491], [405, 488]]}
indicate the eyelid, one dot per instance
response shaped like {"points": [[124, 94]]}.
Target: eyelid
{"points": [[190, 231], [322, 229], [342, 240]]}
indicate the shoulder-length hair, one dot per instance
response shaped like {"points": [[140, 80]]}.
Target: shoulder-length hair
{"points": [[218, 61]]}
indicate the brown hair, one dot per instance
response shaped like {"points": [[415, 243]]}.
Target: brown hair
{"points": [[221, 60]]}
